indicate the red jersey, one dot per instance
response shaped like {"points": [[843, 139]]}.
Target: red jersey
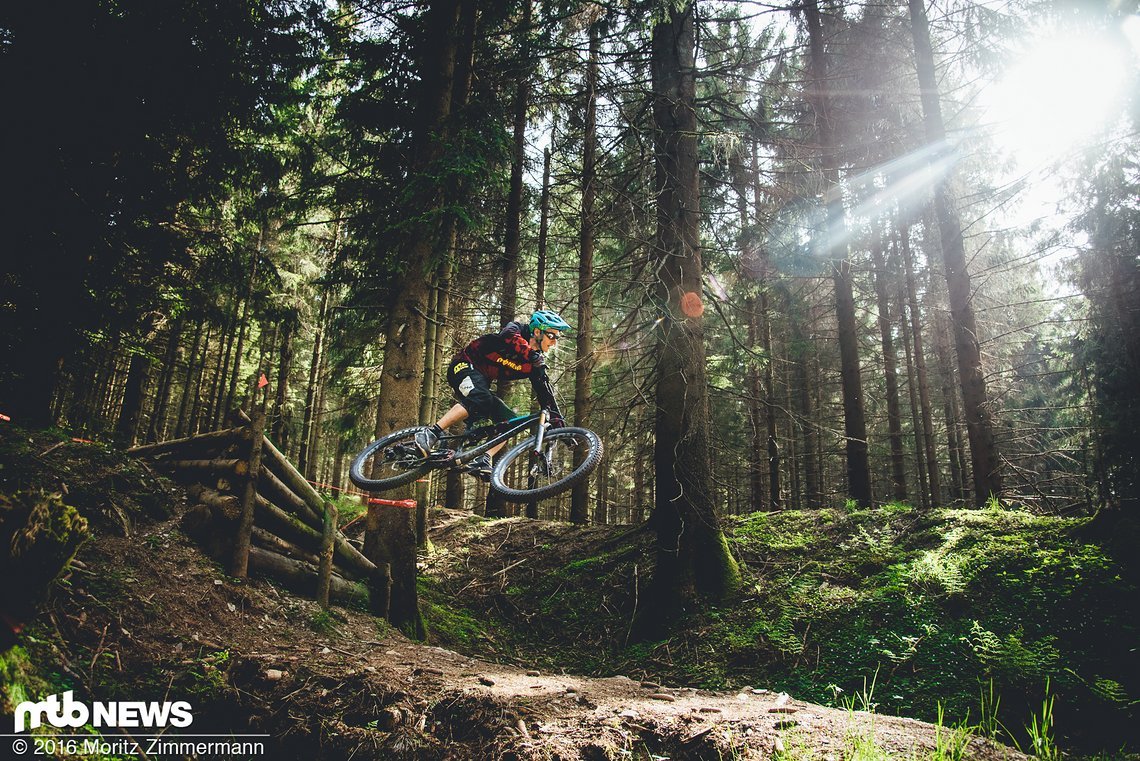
{"points": [[507, 355]]}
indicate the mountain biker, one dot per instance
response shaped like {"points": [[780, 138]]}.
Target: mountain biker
{"points": [[517, 351]]}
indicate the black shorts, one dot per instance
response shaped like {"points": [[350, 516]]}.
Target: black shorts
{"points": [[473, 391]]}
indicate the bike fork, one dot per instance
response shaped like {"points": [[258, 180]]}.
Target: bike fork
{"points": [[541, 434]]}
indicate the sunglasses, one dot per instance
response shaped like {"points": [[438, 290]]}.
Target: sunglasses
{"points": [[551, 336]]}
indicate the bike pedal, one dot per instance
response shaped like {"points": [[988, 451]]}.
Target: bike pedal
{"points": [[482, 475]]}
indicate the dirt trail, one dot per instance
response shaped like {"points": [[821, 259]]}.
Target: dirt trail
{"points": [[144, 615], [150, 610]]}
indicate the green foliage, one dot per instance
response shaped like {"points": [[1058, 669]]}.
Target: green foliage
{"points": [[951, 742], [1042, 732], [323, 622], [893, 609], [208, 674], [445, 623], [18, 680]]}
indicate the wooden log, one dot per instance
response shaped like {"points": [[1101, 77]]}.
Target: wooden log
{"points": [[285, 492], [302, 576], [210, 467], [215, 536], [203, 441], [228, 505], [196, 522], [239, 566], [288, 475], [284, 470], [284, 497], [297, 531], [286, 525], [263, 538], [326, 555]]}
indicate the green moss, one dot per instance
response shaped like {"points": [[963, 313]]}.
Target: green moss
{"points": [[18, 680]]}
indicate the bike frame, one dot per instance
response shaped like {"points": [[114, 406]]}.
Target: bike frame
{"points": [[508, 429]]}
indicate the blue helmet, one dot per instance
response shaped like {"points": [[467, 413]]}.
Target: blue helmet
{"points": [[544, 319]]}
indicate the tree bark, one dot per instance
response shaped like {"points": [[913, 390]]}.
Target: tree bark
{"points": [[156, 430], [584, 359], [693, 559], [765, 331], [890, 367], [192, 395], [543, 229], [400, 382], [217, 411], [280, 426], [854, 416], [985, 461], [312, 391], [813, 492], [512, 242], [134, 392], [949, 408], [915, 417], [243, 325], [932, 473]]}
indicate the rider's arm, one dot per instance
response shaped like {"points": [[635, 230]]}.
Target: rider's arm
{"points": [[540, 382]]}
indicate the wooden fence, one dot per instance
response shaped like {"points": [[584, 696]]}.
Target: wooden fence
{"points": [[255, 512]]}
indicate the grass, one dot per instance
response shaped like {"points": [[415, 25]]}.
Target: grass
{"points": [[956, 611]]}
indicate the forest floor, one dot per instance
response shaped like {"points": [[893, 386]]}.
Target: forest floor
{"points": [[142, 614]]}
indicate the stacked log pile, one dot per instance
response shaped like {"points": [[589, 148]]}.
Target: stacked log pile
{"points": [[254, 512]]}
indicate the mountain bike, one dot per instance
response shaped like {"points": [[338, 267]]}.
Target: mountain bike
{"points": [[545, 463]]}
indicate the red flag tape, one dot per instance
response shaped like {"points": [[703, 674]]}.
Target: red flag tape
{"points": [[409, 504]]}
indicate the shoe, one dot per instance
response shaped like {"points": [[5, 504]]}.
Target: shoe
{"points": [[480, 467], [427, 438]]}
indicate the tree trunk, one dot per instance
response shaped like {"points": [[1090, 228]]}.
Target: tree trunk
{"points": [[584, 359], [512, 239], [813, 492], [692, 555], [890, 367], [156, 430], [138, 373], [218, 385], [915, 417], [543, 229], [315, 439], [765, 329], [400, 378], [949, 408], [757, 460], [243, 326], [757, 465], [281, 427], [191, 393], [854, 416], [312, 390], [984, 457], [933, 476]]}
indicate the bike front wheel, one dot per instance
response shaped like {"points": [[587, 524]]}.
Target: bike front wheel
{"points": [[569, 455], [389, 462]]}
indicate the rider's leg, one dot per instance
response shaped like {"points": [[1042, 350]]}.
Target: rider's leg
{"points": [[456, 414]]}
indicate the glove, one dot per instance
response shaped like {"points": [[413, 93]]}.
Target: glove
{"points": [[555, 420]]}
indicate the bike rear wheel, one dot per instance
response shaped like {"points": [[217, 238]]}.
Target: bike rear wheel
{"points": [[522, 476], [389, 462]]}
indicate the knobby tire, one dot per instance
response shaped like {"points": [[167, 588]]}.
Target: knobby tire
{"points": [[583, 471], [356, 472]]}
